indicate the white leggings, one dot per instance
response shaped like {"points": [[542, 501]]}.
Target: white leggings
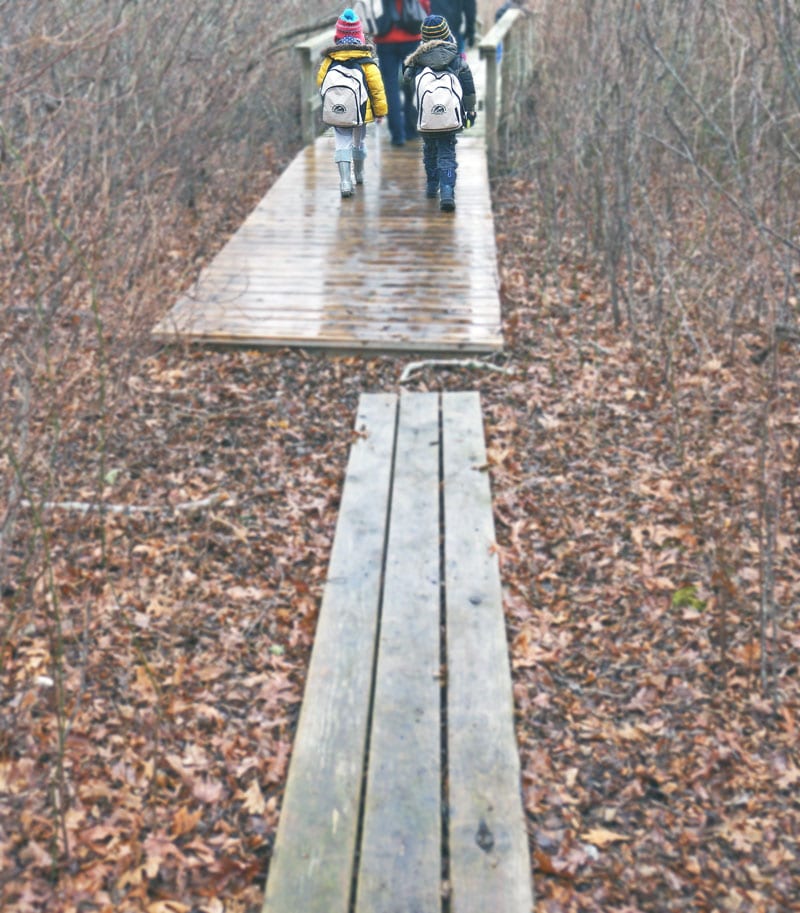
{"points": [[348, 138]]}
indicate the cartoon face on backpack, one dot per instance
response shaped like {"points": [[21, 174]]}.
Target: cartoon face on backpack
{"points": [[344, 94]]}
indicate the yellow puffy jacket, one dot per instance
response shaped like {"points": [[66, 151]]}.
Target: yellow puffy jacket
{"points": [[376, 106]]}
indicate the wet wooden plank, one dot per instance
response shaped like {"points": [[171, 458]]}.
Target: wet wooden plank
{"points": [[238, 292], [401, 847], [347, 324], [311, 866], [338, 310], [489, 855], [387, 247]]}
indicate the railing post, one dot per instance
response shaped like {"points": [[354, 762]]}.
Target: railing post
{"points": [[309, 53], [490, 49], [307, 87], [488, 54]]}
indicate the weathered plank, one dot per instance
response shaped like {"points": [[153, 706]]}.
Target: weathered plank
{"points": [[361, 824], [400, 866], [488, 849], [311, 866]]}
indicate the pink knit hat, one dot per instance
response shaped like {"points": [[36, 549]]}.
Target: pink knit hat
{"points": [[349, 25]]}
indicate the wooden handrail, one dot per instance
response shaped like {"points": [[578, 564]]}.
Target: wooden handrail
{"points": [[502, 48]]}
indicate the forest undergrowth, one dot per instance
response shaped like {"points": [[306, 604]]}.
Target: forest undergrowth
{"points": [[658, 773], [169, 512]]}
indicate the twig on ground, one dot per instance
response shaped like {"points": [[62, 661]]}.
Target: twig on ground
{"points": [[415, 366], [87, 507]]}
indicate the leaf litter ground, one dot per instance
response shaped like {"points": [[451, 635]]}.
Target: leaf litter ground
{"points": [[658, 773]]}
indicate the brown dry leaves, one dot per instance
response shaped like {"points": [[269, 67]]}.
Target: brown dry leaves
{"points": [[656, 774], [185, 643]]}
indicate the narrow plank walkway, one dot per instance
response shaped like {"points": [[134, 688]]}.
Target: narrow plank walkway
{"points": [[383, 270], [403, 794]]}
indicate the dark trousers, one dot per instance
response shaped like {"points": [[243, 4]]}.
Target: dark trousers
{"points": [[402, 115], [439, 157]]}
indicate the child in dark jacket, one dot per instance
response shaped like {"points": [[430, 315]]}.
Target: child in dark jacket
{"points": [[439, 51]]}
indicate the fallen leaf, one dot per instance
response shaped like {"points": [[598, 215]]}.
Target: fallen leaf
{"points": [[208, 790], [254, 799], [602, 837], [184, 821]]}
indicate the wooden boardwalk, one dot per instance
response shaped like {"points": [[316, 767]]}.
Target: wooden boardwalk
{"points": [[383, 270], [404, 784]]}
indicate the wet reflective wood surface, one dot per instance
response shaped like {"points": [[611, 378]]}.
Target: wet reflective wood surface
{"points": [[382, 270]]}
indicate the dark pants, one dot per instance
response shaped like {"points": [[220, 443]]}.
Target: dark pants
{"points": [[439, 157], [402, 115]]}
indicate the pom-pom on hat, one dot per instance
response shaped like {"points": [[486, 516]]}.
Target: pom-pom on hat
{"points": [[435, 28], [348, 25]]}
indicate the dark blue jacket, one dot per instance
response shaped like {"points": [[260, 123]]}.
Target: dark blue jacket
{"points": [[460, 16]]}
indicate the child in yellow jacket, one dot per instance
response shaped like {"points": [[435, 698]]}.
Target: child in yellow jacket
{"points": [[351, 47]]}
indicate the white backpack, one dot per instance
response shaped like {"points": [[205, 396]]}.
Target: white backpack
{"points": [[344, 94], [438, 99]]}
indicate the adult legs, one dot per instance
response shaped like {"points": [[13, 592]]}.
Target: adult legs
{"points": [[391, 55], [409, 112]]}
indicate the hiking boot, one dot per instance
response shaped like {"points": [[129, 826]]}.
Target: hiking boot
{"points": [[431, 189], [345, 182], [447, 199]]}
